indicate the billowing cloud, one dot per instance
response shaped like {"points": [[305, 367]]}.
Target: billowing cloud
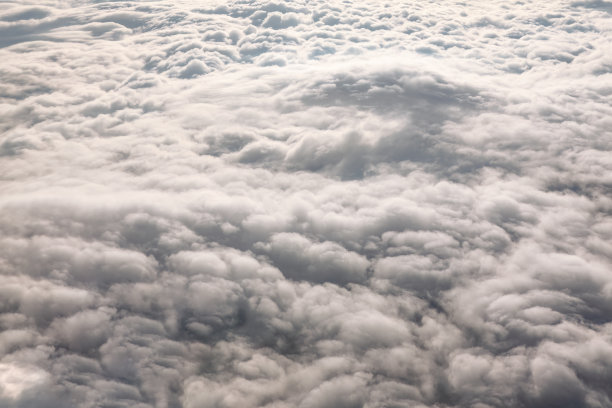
{"points": [[305, 204]]}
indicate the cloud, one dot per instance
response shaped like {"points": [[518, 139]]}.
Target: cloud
{"points": [[317, 262], [305, 204]]}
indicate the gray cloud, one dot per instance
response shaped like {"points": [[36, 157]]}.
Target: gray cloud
{"points": [[305, 204]]}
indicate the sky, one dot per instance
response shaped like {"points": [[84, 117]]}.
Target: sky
{"points": [[305, 204]]}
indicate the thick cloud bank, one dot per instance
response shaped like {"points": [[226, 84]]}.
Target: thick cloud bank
{"points": [[305, 204]]}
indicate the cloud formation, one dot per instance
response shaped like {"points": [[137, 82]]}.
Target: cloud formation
{"points": [[305, 204]]}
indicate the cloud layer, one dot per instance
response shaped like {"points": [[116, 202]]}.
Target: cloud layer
{"points": [[305, 204]]}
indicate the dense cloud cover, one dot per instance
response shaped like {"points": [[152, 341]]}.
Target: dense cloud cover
{"points": [[305, 204]]}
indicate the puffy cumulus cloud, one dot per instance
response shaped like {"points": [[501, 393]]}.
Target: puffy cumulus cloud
{"points": [[301, 259], [305, 204]]}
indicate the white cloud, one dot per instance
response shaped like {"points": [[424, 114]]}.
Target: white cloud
{"points": [[299, 204]]}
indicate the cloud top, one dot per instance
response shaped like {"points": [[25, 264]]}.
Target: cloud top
{"points": [[305, 204]]}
